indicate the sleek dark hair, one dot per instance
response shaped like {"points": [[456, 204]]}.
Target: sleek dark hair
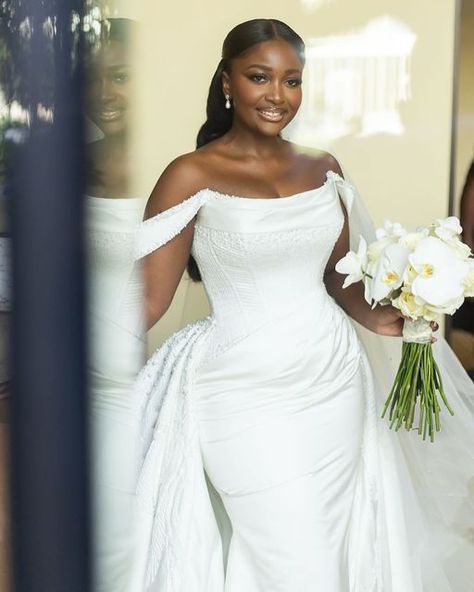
{"points": [[240, 39]]}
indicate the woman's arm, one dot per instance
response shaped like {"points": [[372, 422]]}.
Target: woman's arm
{"points": [[467, 209], [384, 320], [163, 268]]}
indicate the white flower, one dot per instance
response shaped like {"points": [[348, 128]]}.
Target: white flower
{"points": [[440, 273], [430, 314], [447, 228], [407, 304], [433, 312], [390, 230], [353, 264], [462, 250], [389, 271], [375, 249], [469, 280], [412, 239], [409, 275]]}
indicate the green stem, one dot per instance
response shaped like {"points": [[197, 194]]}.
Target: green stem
{"points": [[416, 386]]}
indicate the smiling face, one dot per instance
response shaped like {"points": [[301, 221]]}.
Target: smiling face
{"points": [[265, 87], [109, 89]]}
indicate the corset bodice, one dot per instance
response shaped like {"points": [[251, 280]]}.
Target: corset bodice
{"points": [[260, 257]]}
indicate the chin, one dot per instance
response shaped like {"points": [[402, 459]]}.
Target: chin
{"points": [[271, 130], [112, 128]]}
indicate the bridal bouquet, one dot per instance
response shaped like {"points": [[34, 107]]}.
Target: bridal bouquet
{"points": [[424, 274]]}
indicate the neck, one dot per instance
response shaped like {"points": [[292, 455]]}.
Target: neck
{"points": [[116, 146], [254, 144]]}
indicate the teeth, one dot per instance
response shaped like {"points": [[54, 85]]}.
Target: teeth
{"points": [[273, 114]]}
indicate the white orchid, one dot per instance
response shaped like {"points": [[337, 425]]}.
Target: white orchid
{"points": [[461, 249], [406, 302], [353, 265], [425, 274], [432, 313], [409, 275], [447, 228], [391, 230], [389, 271], [412, 239], [422, 274], [440, 273], [375, 249], [469, 280]]}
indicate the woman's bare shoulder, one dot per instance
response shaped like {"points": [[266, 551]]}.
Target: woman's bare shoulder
{"points": [[183, 177], [319, 159]]}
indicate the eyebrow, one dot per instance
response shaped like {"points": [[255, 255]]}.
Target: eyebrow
{"points": [[269, 69], [96, 66]]}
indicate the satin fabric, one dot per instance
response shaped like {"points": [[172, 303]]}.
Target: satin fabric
{"points": [[265, 465], [116, 354]]}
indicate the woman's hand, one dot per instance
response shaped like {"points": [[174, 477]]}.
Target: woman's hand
{"points": [[389, 321]]}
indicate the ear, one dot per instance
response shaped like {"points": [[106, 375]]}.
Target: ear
{"points": [[225, 83]]}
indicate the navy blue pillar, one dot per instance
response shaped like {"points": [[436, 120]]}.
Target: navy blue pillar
{"points": [[49, 439]]}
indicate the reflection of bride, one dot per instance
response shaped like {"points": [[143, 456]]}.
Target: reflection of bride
{"points": [[116, 346], [265, 466]]}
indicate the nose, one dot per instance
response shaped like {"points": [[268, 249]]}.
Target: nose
{"points": [[275, 92], [106, 90]]}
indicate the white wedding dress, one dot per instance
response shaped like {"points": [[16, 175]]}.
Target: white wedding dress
{"points": [[116, 354], [265, 464]]}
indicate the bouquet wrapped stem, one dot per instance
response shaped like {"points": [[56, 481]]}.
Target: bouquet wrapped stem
{"points": [[418, 380]]}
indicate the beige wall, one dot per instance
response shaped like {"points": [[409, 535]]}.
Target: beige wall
{"points": [[378, 92], [465, 103]]}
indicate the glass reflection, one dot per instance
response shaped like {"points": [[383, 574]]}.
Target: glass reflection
{"points": [[355, 82], [116, 342]]}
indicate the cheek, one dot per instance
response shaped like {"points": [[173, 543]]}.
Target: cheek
{"points": [[123, 92], [92, 91], [91, 103], [295, 98], [247, 92]]}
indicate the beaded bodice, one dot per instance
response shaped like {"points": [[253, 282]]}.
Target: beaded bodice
{"points": [[259, 257]]}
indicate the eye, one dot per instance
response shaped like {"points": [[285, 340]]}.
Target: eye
{"points": [[258, 78], [120, 77], [294, 82]]}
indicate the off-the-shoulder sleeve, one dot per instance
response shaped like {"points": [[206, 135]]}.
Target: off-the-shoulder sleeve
{"points": [[346, 190], [157, 231], [360, 221]]}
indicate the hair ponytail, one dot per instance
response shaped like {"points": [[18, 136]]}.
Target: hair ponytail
{"points": [[219, 119], [218, 122]]}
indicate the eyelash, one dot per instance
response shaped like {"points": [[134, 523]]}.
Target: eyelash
{"points": [[254, 77]]}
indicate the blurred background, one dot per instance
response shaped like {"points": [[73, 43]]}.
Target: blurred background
{"points": [[95, 99]]}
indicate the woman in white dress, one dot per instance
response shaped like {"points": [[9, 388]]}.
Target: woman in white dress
{"points": [[264, 465], [116, 343]]}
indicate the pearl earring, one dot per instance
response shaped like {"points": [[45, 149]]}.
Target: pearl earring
{"points": [[227, 102]]}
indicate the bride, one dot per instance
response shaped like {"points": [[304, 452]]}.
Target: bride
{"points": [[265, 466]]}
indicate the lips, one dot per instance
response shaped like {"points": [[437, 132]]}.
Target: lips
{"points": [[271, 114], [110, 114]]}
